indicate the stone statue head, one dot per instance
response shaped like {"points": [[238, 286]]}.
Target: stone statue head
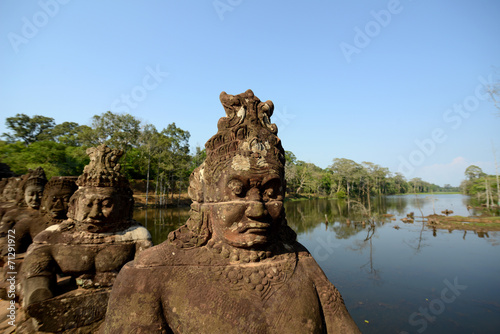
{"points": [[104, 200], [238, 191], [9, 192], [33, 188], [56, 196]]}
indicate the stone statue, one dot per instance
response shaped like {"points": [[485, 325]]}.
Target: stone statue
{"points": [[26, 202], [53, 210], [235, 266], [12, 188], [87, 250]]}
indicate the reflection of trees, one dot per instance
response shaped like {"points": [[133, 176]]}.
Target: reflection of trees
{"points": [[361, 245], [304, 216], [345, 219], [160, 222], [420, 239], [393, 204]]}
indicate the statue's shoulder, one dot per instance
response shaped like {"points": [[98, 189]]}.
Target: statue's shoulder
{"points": [[135, 232], [160, 255], [52, 234]]}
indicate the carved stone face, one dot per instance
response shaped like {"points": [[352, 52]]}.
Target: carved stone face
{"points": [[33, 195], [250, 213], [56, 202], [98, 207]]}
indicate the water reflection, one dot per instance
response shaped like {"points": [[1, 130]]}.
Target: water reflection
{"points": [[344, 218], [386, 274], [160, 222]]}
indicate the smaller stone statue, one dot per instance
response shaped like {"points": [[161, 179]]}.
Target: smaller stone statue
{"points": [[86, 251], [26, 204], [53, 210]]}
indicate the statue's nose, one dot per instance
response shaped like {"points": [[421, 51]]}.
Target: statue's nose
{"points": [[59, 204], [95, 211], [255, 209]]}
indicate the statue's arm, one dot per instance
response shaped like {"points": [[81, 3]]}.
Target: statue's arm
{"points": [[135, 304], [142, 240], [23, 237], [142, 245], [39, 270], [336, 316]]}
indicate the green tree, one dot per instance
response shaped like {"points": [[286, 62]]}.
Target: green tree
{"points": [[120, 131], [348, 173], [28, 129], [473, 172], [55, 158], [67, 133]]}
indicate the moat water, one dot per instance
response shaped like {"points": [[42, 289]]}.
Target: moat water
{"points": [[410, 279]]}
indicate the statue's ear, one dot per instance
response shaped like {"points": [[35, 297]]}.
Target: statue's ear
{"points": [[196, 183], [72, 204]]}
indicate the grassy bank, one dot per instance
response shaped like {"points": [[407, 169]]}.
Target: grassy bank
{"points": [[464, 223]]}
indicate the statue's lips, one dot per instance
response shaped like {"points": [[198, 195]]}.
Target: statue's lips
{"points": [[57, 212], [94, 221], [254, 227]]}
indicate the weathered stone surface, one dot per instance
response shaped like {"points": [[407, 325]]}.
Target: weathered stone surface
{"points": [[25, 205], [235, 267], [53, 210], [13, 188], [90, 247], [22, 192], [74, 309]]}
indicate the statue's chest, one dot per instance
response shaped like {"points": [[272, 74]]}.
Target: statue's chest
{"points": [[258, 299], [81, 258]]}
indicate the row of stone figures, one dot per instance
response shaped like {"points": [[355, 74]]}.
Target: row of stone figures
{"points": [[234, 267], [63, 243]]}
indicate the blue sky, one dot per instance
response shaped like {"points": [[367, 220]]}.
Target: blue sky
{"points": [[397, 83]]}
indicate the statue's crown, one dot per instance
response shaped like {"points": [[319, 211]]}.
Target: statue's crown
{"points": [[246, 131], [103, 169], [61, 182], [36, 177]]}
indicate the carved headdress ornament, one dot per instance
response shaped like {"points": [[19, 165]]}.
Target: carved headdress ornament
{"points": [[61, 182], [245, 141], [245, 135], [36, 177], [103, 169]]}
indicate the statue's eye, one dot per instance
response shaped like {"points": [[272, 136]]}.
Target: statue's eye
{"points": [[269, 194], [107, 203], [236, 187]]}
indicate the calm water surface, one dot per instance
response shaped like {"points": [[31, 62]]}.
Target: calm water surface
{"points": [[406, 280]]}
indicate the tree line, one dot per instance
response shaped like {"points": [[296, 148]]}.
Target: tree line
{"points": [[162, 158], [345, 178], [485, 188]]}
